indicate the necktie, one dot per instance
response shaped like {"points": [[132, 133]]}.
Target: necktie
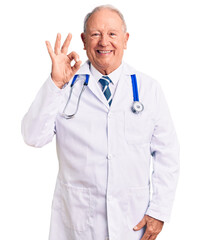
{"points": [[105, 80]]}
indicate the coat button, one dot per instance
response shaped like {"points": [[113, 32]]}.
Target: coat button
{"points": [[109, 156]]}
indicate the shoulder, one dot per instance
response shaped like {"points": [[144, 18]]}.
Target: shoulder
{"points": [[85, 68], [143, 79]]}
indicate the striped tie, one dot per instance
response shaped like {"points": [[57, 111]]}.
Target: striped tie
{"points": [[105, 80]]}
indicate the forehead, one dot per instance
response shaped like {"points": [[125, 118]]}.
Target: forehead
{"points": [[104, 19]]}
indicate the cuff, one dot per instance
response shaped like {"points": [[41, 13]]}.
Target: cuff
{"points": [[53, 87], [158, 214]]}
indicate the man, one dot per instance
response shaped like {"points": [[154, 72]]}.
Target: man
{"points": [[104, 150]]}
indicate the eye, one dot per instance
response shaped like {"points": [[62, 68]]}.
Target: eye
{"points": [[112, 34], [95, 34]]}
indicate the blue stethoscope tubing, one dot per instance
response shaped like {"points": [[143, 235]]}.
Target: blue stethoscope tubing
{"points": [[137, 106], [75, 78], [68, 116]]}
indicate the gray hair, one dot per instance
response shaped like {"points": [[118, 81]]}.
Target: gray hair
{"points": [[110, 7]]}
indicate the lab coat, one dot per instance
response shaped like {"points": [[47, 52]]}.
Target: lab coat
{"points": [[103, 185]]}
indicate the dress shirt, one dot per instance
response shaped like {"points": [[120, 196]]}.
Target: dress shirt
{"points": [[114, 76]]}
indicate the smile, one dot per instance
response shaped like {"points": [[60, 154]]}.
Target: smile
{"points": [[104, 52]]}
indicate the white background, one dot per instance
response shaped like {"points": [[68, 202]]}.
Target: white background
{"points": [[165, 43]]}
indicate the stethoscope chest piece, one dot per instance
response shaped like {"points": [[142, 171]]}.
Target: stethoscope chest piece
{"points": [[137, 107]]}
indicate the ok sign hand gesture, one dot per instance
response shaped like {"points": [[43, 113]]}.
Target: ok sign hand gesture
{"points": [[62, 71]]}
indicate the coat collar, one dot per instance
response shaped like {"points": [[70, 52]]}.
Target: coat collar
{"points": [[127, 69], [93, 85]]}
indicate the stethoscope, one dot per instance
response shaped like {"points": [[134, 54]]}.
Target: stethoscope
{"points": [[75, 79], [137, 107]]}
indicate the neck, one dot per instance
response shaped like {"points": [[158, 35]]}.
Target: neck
{"points": [[106, 71]]}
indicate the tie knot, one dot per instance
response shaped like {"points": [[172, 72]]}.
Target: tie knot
{"points": [[104, 80]]}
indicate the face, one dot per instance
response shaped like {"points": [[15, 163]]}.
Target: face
{"points": [[105, 40]]}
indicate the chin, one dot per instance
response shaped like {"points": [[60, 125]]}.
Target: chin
{"points": [[104, 64]]}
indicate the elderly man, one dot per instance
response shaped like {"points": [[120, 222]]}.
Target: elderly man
{"points": [[104, 144]]}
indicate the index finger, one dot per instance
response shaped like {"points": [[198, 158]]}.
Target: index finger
{"points": [[66, 44]]}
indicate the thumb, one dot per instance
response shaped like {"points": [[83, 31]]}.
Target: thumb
{"points": [[141, 224]]}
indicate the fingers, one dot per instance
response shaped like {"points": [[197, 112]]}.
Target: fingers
{"points": [[153, 237], [66, 44], [153, 227], [146, 236], [74, 56], [70, 57], [141, 224], [49, 49], [76, 67], [57, 44]]}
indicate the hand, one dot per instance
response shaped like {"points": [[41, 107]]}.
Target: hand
{"points": [[153, 227], [62, 71]]}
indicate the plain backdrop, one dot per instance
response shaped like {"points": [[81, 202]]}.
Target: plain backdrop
{"points": [[165, 43]]}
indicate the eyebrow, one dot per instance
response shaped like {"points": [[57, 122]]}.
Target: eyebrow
{"points": [[97, 30]]}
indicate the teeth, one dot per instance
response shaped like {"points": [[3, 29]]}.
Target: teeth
{"points": [[104, 51]]}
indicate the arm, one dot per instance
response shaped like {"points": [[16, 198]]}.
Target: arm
{"points": [[165, 152], [38, 125]]}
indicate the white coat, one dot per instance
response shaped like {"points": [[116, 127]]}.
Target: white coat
{"points": [[103, 185]]}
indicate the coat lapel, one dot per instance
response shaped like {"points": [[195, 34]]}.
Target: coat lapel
{"points": [[93, 85], [124, 88], [123, 85]]}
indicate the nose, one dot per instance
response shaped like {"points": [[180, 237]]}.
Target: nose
{"points": [[104, 40]]}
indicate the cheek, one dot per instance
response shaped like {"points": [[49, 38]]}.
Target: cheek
{"points": [[119, 44], [90, 48], [120, 49], [92, 43]]}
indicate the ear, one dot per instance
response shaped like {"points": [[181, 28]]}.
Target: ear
{"points": [[83, 37], [126, 37]]}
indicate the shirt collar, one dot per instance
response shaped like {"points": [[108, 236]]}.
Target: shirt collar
{"points": [[114, 76]]}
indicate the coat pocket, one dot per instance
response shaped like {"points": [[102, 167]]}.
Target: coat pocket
{"points": [[138, 202], [138, 128], [75, 207]]}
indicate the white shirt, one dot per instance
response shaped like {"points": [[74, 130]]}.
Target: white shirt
{"points": [[114, 76]]}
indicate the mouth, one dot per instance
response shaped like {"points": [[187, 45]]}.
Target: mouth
{"points": [[104, 52]]}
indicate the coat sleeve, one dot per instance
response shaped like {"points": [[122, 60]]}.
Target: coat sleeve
{"points": [[165, 153], [38, 125]]}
